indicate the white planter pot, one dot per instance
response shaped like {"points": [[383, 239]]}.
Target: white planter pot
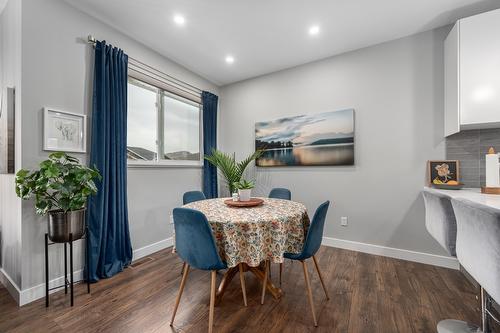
{"points": [[245, 194]]}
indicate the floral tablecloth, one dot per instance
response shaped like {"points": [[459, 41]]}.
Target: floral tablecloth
{"points": [[251, 235]]}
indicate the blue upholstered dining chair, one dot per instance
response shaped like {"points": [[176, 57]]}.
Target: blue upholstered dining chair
{"points": [[280, 193], [188, 197], [285, 194], [311, 246], [192, 196], [195, 244]]}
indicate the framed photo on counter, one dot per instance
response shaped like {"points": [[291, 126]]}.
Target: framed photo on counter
{"points": [[444, 172]]}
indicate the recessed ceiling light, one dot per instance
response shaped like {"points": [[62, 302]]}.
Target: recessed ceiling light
{"points": [[179, 19], [314, 30], [229, 59]]}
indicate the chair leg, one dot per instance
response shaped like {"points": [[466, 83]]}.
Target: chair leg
{"points": [[281, 271], [212, 302], [264, 284], [320, 277], [309, 291], [181, 289], [242, 281], [183, 266]]}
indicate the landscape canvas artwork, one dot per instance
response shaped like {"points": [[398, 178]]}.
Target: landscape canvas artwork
{"points": [[308, 140]]}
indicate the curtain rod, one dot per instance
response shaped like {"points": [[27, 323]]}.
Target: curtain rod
{"points": [[93, 41]]}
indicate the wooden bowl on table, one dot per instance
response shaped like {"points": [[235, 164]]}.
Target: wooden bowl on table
{"points": [[253, 202]]}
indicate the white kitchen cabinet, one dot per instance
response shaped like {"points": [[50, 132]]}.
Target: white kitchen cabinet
{"points": [[472, 73]]}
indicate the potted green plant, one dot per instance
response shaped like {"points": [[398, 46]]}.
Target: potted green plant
{"points": [[231, 170], [60, 187], [244, 189]]}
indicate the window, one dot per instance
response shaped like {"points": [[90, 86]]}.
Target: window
{"points": [[162, 128]]}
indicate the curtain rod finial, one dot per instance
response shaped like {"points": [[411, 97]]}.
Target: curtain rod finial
{"points": [[91, 39]]}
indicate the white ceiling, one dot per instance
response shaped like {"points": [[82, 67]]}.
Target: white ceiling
{"points": [[269, 35]]}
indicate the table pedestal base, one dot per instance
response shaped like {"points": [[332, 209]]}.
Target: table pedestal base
{"points": [[259, 272]]}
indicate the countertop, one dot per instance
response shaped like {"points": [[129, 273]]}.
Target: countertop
{"points": [[472, 194]]}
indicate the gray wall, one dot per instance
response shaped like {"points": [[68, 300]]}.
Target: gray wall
{"points": [[470, 148], [57, 72], [10, 205], [396, 89]]}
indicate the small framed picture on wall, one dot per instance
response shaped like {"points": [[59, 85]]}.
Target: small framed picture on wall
{"points": [[64, 131], [444, 172]]}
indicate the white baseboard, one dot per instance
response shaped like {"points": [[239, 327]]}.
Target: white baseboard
{"points": [[32, 294], [152, 248], [420, 257], [10, 285]]}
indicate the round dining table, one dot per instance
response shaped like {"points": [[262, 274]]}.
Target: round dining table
{"points": [[252, 235]]}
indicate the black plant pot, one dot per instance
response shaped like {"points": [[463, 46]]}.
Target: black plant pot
{"points": [[62, 224]]}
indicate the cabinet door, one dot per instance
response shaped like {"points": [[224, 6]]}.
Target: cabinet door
{"points": [[480, 69], [451, 83]]}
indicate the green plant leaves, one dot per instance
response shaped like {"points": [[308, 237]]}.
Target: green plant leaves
{"points": [[244, 184], [57, 155], [61, 183], [231, 170]]}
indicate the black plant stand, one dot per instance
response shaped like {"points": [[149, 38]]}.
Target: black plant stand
{"points": [[66, 282]]}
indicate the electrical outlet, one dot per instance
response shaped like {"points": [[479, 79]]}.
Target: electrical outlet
{"points": [[343, 221]]}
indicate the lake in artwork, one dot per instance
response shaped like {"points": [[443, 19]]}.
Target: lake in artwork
{"points": [[321, 139]]}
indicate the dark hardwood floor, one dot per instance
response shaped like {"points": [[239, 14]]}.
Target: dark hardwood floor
{"points": [[367, 294]]}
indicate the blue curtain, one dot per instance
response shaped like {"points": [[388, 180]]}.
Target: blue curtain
{"points": [[110, 249], [210, 102]]}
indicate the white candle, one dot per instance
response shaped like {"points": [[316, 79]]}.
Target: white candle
{"points": [[492, 169]]}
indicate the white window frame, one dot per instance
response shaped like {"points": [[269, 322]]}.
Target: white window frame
{"points": [[163, 163]]}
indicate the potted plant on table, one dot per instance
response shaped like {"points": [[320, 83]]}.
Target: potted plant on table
{"points": [[244, 189], [231, 170], [60, 187]]}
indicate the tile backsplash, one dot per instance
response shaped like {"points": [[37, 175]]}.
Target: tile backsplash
{"points": [[470, 148]]}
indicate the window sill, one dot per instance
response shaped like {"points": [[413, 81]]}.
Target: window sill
{"points": [[165, 164]]}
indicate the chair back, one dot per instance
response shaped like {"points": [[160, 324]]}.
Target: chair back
{"points": [[194, 241], [192, 196], [280, 193], [478, 243], [440, 220], [315, 232]]}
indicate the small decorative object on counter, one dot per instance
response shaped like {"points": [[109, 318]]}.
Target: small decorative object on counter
{"points": [[244, 189], [492, 173], [235, 196], [444, 174]]}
